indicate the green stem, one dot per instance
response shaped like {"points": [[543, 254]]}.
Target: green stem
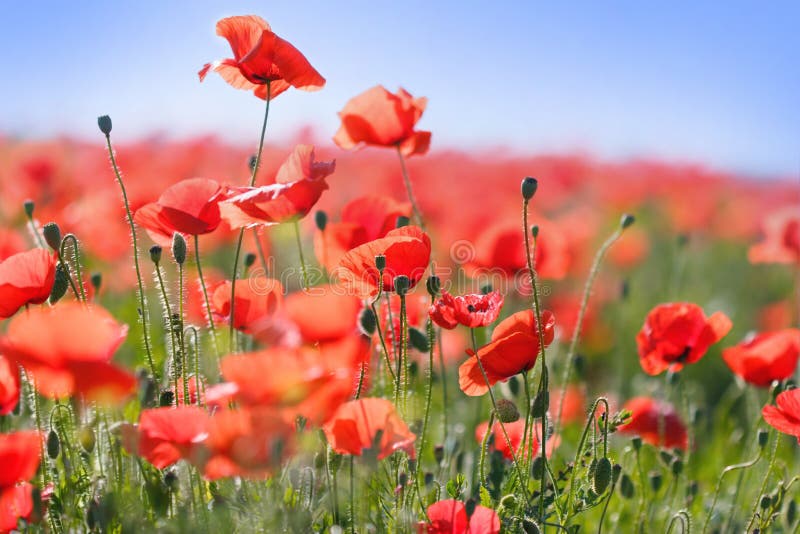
{"points": [[765, 481], [484, 447], [76, 252], [142, 299], [725, 471], [260, 249], [205, 296], [296, 225], [173, 342], [409, 189]]}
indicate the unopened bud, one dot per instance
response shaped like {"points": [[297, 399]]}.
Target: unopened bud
{"points": [[249, 260], [96, 280], [763, 437], [438, 453], [636, 442], [627, 220], [535, 231], [86, 438], [602, 475], [541, 403], [626, 487], [507, 411], [677, 466], [513, 385], [28, 206], [104, 123], [178, 248], [380, 262], [155, 254], [428, 478], [166, 398], [486, 289], [402, 221], [529, 187], [52, 235], [418, 340], [433, 285], [171, 479], [366, 321], [656, 480], [401, 284], [53, 444], [60, 284], [537, 467], [321, 220]]}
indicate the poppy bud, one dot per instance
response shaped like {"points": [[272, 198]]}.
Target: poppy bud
{"points": [[615, 472], [486, 289], [535, 231], [104, 123], [602, 475], [666, 457], [626, 487], [86, 438], [60, 285], [507, 411], [28, 206], [366, 322], [380, 262], [402, 221], [401, 284], [418, 340], [251, 162], [155, 254], [321, 220], [677, 466], [537, 467], [513, 385], [470, 505], [53, 444], [434, 285], [178, 248], [655, 480], [249, 260], [541, 403], [96, 280], [428, 478], [166, 398], [791, 512], [627, 220], [529, 526], [438, 453], [763, 437], [52, 235], [171, 479], [402, 479], [636, 442], [529, 187]]}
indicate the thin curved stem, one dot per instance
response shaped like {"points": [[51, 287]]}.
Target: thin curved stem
{"points": [[142, 298], [725, 471], [296, 225], [205, 294], [410, 190]]}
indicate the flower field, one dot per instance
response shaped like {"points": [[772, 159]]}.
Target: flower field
{"points": [[367, 334]]}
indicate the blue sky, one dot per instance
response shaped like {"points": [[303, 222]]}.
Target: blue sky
{"points": [[710, 82]]}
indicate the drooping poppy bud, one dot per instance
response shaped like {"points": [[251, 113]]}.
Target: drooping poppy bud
{"points": [[104, 123], [529, 187], [52, 235], [178, 248]]}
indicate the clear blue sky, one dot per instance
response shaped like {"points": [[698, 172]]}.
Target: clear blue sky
{"points": [[711, 82]]}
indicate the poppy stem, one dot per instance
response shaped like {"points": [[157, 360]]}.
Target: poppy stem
{"points": [[174, 342], [579, 450], [764, 482], [205, 295], [37, 236], [142, 298], [261, 256], [77, 260], [502, 426], [725, 471], [428, 396], [576, 332], [296, 225], [484, 447], [256, 164], [409, 189], [442, 371], [380, 335]]}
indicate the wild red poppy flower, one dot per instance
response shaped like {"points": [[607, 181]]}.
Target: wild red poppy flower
{"points": [[19, 456], [298, 185], [323, 314], [781, 242], [256, 300], [166, 435], [574, 405], [261, 57], [407, 251], [515, 431], [471, 311], [656, 422], [67, 349], [513, 349], [675, 334], [355, 425], [363, 219], [190, 207], [249, 443], [25, 278], [785, 417], [9, 386], [377, 117], [450, 517], [765, 357]]}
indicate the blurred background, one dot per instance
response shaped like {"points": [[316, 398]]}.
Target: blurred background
{"points": [[705, 82]]}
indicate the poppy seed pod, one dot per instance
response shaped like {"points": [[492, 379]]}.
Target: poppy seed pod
{"points": [[507, 411], [178, 248], [155, 254], [529, 187], [52, 235], [28, 206], [763, 437], [321, 220], [401, 284], [402, 221], [104, 123], [380, 262], [433, 285], [627, 220], [418, 340]]}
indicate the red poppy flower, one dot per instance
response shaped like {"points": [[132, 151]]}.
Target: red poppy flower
{"points": [[323, 314], [249, 443], [471, 311], [782, 238], [355, 425], [166, 435], [9, 386], [298, 186], [363, 219], [513, 349], [515, 432], [25, 278], [190, 207], [260, 56], [656, 422], [766, 357], [574, 406], [785, 417], [675, 334], [450, 517], [377, 117], [67, 349], [407, 251], [19, 456], [256, 300]]}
